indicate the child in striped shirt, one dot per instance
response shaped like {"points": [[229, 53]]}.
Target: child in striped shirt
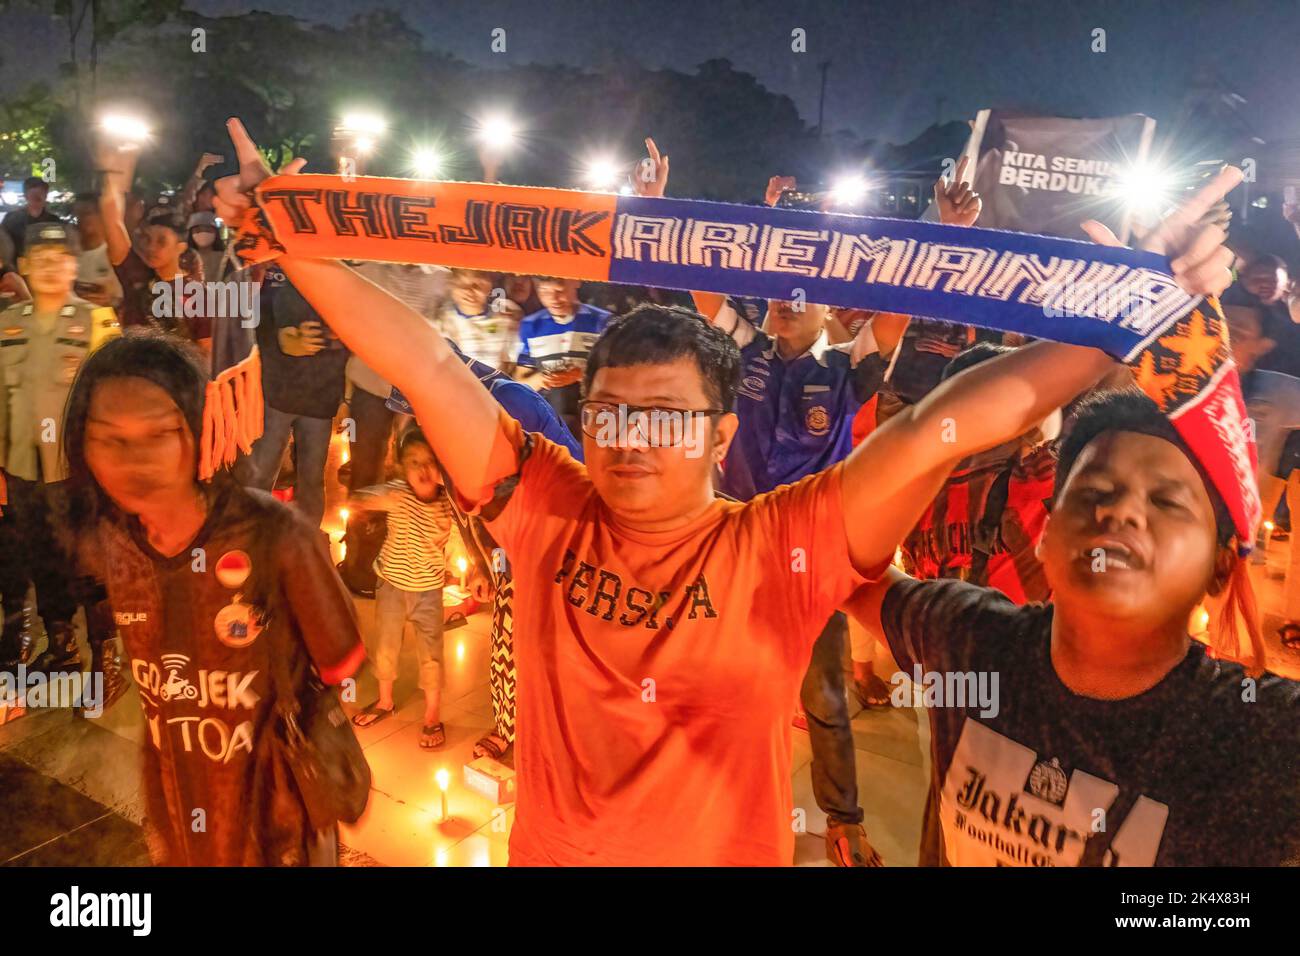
{"points": [[410, 580]]}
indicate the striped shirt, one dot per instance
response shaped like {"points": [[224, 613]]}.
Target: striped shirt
{"points": [[972, 514], [412, 556]]}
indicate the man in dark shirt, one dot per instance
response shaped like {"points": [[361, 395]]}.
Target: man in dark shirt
{"points": [[148, 261], [35, 191], [1095, 731], [303, 380]]}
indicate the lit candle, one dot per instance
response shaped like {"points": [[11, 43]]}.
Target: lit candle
{"points": [[443, 779], [343, 513]]}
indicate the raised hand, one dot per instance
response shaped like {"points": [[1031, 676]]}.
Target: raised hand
{"points": [[958, 204], [1192, 236], [234, 193], [651, 175], [776, 186], [116, 160], [562, 378]]}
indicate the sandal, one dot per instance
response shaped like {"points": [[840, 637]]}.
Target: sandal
{"points": [[491, 746], [432, 736], [372, 715], [1289, 635]]}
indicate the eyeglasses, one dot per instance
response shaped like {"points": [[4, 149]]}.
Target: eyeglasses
{"points": [[613, 424]]}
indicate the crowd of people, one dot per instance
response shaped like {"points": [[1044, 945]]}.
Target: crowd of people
{"points": [[824, 529]]}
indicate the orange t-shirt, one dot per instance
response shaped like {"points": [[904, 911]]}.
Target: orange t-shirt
{"points": [[656, 670]]}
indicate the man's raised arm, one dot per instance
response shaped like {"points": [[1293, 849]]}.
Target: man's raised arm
{"points": [[891, 477], [458, 415], [116, 165]]}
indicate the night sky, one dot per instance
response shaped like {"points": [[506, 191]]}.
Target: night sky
{"points": [[891, 62]]}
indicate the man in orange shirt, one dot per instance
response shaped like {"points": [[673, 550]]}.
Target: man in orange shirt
{"points": [[662, 632]]}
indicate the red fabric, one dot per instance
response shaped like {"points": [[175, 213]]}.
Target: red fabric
{"points": [[941, 545], [345, 668], [864, 422], [1189, 372]]}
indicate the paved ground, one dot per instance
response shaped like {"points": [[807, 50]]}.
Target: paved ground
{"points": [[77, 780]]}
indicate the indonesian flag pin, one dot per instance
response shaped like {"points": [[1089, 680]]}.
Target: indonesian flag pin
{"points": [[233, 568]]}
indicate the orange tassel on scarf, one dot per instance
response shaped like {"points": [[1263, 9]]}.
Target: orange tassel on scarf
{"points": [[232, 415], [1239, 603]]}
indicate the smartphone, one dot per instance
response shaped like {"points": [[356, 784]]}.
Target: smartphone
{"points": [[794, 199]]}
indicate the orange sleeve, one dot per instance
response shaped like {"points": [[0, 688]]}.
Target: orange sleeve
{"points": [[547, 484]]}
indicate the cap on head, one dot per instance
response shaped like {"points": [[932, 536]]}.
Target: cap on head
{"points": [[208, 219], [53, 234]]}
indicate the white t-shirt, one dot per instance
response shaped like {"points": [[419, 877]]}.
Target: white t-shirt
{"points": [[492, 338]]}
